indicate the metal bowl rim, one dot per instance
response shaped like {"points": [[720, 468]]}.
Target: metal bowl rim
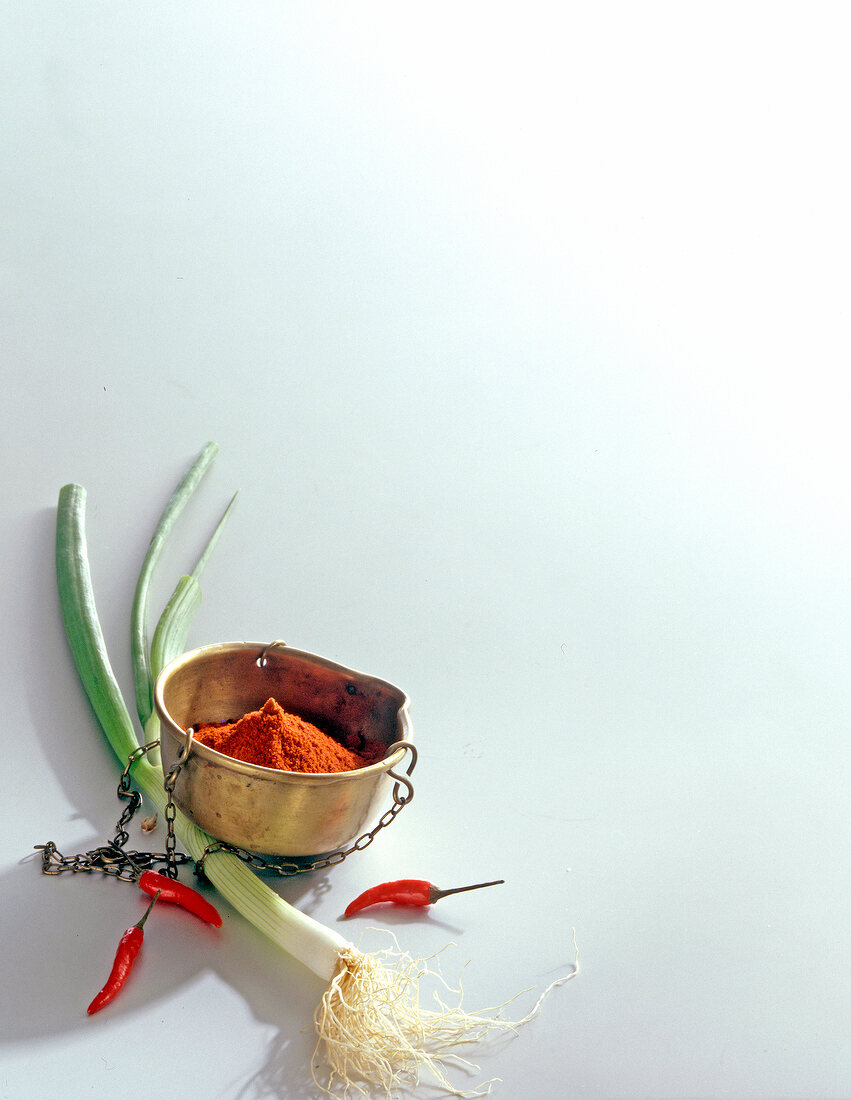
{"points": [[258, 771]]}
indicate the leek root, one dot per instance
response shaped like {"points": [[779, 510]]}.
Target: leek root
{"points": [[376, 1032]]}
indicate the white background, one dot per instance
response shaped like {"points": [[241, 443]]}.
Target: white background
{"points": [[523, 331]]}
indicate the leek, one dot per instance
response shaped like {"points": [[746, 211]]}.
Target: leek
{"points": [[369, 1020], [142, 675], [311, 943]]}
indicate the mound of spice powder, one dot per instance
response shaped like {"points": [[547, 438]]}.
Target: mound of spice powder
{"points": [[273, 738]]}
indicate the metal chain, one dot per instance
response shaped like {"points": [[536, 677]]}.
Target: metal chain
{"points": [[112, 859], [133, 798], [170, 811], [108, 860], [285, 868]]}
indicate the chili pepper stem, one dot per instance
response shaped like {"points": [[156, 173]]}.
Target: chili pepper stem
{"points": [[179, 894], [141, 922], [436, 895]]}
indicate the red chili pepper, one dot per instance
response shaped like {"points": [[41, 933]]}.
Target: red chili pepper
{"points": [[408, 891], [184, 896], [128, 948]]}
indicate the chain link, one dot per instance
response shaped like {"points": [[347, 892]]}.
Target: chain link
{"points": [[133, 798], [170, 811]]}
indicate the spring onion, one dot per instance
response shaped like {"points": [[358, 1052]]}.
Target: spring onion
{"points": [[313, 944], [369, 1022], [142, 674]]}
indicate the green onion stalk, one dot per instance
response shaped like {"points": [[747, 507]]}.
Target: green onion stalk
{"points": [[369, 1021]]}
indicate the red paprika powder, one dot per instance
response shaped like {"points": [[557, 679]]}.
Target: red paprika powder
{"points": [[273, 738]]}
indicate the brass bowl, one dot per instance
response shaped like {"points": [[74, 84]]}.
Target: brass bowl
{"points": [[265, 810]]}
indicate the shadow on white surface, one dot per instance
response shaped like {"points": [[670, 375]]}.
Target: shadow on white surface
{"points": [[75, 922]]}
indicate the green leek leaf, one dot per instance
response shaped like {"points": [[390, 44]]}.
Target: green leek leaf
{"points": [[142, 674]]}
